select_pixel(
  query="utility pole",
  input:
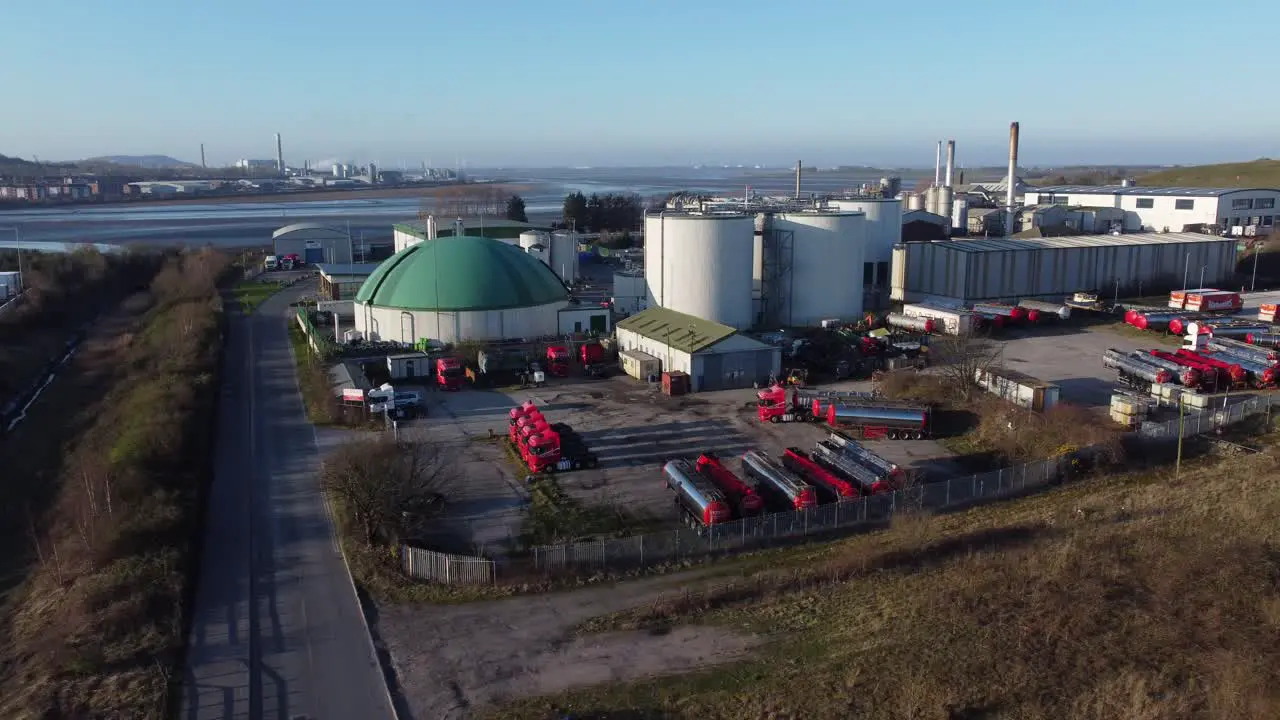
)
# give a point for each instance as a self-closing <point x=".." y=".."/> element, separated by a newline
<point x="1257" y="250"/>
<point x="1186" y="266"/>
<point x="1177" y="468"/>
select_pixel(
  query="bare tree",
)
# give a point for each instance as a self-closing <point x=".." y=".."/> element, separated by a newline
<point x="961" y="357"/>
<point x="390" y="490"/>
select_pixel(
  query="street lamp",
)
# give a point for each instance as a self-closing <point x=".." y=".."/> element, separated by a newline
<point x="1257" y="250"/>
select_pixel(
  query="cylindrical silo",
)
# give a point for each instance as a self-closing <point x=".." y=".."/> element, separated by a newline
<point x="944" y="202"/>
<point x="700" y="264"/>
<point x="884" y="225"/>
<point x="757" y="256"/>
<point x="537" y="244"/>
<point x="564" y="255"/>
<point x="827" y="253"/>
<point x="960" y="214"/>
<point x="915" y="201"/>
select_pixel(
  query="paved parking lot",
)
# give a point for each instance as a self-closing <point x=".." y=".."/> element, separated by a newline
<point x="634" y="429"/>
<point x="1071" y="358"/>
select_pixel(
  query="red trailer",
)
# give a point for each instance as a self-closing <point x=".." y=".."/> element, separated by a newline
<point x="1235" y="374"/>
<point x="591" y="353"/>
<point x="799" y="462"/>
<point x="742" y="496"/>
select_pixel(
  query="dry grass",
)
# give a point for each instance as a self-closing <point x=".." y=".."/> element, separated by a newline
<point x="1131" y="596"/>
<point x="97" y="628"/>
<point x="1259" y="173"/>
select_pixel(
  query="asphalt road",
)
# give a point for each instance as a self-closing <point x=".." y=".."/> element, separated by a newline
<point x="278" y="630"/>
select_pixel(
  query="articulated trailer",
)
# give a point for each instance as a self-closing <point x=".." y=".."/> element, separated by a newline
<point x="742" y="496"/>
<point x="1184" y="373"/>
<point x="781" y="484"/>
<point x="700" y="502"/>
<point x="835" y="487"/>
<point x="1135" y="372"/>
<point x="860" y="454"/>
<point x="876" y="419"/>
<point x="834" y="459"/>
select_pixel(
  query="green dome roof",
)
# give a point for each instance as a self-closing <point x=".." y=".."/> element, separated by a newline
<point x="462" y="273"/>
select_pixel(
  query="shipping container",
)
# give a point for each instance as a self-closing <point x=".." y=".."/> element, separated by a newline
<point x="1012" y="268"/>
<point x="1178" y="298"/>
<point x="952" y="321"/>
<point x="675" y="383"/>
<point x="1267" y="313"/>
<point x="1018" y="388"/>
<point x="639" y="365"/>
<point x="1211" y="301"/>
<point x="408" y="365"/>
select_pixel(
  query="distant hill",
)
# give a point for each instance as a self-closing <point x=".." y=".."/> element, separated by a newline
<point x="1259" y="173"/>
<point x="149" y="162"/>
<point x="20" y="168"/>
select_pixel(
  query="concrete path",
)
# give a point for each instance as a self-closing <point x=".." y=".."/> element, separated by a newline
<point x="278" y="629"/>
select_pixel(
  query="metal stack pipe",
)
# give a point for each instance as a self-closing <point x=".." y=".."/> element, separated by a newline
<point x="1224" y="329"/>
<point x="918" y="324"/>
<point x="1135" y="367"/>
<point x="1013" y="173"/>
<point x="951" y="163"/>
<point x="1262" y="374"/>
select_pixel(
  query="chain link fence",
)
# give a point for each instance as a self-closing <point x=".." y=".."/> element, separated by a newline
<point x="692" y="543"/>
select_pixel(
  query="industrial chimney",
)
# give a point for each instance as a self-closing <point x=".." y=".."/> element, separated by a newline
<point x="937" y="166"/>
<point x="951" y="162"/>
<point x="202" y="156"/>
<point x="1010" y="198"/>
<point x="797" y="195"/>
<point x="279" y="155"/>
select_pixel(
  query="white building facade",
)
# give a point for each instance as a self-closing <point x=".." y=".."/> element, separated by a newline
<point x="1240" y="211"/>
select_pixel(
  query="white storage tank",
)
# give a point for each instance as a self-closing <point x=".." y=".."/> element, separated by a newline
<point x="629" y="294"/>
<point x="564" y="255"/>
<point x="884" y="224"/>
<point x="700" y="264"/>
<point x="827" y="253"/>
<point x="915" y="201"/>
<point x="537" y="244"/>
<point x="960" y="215"/>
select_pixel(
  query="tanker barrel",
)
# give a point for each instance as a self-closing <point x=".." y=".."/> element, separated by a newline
<point x="872" y="414"/>
<point x="695" y="494"/>
<point x="918" y="324"/>
<point x="1062" y="312"/>
<point x="1248" y="364"/>
<point x="1264" y="339"/>
<point x="1137" y="368"/>
<point x="858" y="453"/>
<point x="1187" y="376"/>
<point x="853" y="470"/>
<point x="1268" y="354"/>
<point x="1010" y="311"/>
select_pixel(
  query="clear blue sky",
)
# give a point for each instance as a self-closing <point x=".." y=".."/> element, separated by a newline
<point x="614" y="82"/>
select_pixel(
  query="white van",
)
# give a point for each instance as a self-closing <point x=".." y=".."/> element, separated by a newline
<point x="271" y="263"/>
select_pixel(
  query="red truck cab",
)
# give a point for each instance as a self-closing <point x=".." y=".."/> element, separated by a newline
<point x="773" y="406"/>
<point x="591" y="353"/>
<point x="558" y="360"/>
<point x="449" y="373"/>
<point x="290" y="262"/>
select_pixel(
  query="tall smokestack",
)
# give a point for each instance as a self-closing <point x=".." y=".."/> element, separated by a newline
<point x="951" y="161"/>
<point x="202" y="156"/>
<point x="797" y="195"/>
<point x="279" y="155"/>
<point x="937" y="166"/>
<point x="1013" y="174"/>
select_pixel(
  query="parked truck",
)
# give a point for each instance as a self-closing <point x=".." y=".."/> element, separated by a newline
<point x="574" y="453"/>
<point x="700" y="502"/>
<point x="449" y="373"/>
<point x="499" y="367"/>
<point x="558" y="360"/>
<point x="869" y="480"/>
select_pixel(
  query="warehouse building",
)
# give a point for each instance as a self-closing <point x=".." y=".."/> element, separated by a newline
<point x="714" y="355"/>
<point x="469" y="288"/>
<point x="313" y="243"/>
<point x="1009" y="269"/>
<point x="1174" y="209"/>
<point x="343" y="281"/>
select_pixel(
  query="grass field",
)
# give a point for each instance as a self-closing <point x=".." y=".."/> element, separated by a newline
<point x="249" y="294"/>
<point x="1259" y="173"/>
<point x="1130" y="596"/>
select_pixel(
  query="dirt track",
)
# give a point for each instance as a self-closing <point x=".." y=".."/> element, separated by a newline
<point x="450" y="660"/>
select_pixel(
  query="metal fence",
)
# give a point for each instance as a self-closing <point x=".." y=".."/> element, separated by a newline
<point x="446" y="568"/>
<point x="690" y="543"/>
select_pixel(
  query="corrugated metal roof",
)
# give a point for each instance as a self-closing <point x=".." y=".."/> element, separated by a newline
<point x="1143" y="191"/>
<point x="1071" y="241"/>
<point x="336" y="232"/>
<point x="682" y="332"/>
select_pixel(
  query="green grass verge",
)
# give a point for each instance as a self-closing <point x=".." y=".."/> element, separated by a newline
<point x="1059" y="605"/>
<point x="249" y="294"/>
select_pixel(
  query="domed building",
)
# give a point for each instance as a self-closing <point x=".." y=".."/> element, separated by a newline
<point x="468" y="288"/>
